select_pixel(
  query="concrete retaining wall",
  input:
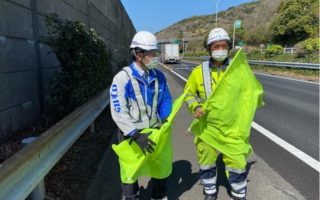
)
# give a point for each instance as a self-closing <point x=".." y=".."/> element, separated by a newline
<point x="26" y="65"/>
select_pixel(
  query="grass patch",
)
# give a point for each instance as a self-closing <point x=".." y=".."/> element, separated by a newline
<point x="301" y="74"/>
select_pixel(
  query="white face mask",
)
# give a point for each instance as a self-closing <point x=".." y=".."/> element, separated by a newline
<point x="153" y="63"/>
<point x="219" y="55"/>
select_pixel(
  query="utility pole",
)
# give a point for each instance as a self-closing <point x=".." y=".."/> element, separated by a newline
<point x="233" y="35"/>
<point x="255" y="20"/>
<point x="182" y="44"/>
<point x="217" y="12"/>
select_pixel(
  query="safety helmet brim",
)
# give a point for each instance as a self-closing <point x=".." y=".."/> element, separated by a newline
<point x="145" y="41"/>
<point x="217" y="34"/>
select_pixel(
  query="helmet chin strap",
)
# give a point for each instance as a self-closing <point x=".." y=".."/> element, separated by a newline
<point x="143" y="66"/>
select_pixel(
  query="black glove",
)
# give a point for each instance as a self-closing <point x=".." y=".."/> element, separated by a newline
<point x="143" y="142"/>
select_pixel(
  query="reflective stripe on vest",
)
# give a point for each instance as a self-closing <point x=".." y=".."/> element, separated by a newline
<point x="147" y="115"/>
<point x="206" y="74"/>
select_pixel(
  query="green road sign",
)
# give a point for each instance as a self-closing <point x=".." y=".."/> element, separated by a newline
<point x="241" y="43"/>
<point x="237" y="23"/>
<point x="175" y="41"/>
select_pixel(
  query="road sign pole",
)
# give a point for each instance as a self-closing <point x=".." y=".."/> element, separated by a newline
<point x="233" y="35"/>
<point x="217" y="13"/>
<point x="182" y="45"/>
<point x="236" y="24"/>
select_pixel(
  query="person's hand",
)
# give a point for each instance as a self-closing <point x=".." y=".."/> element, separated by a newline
<point x="143" y="142"/>
<point x="198" y="112"/>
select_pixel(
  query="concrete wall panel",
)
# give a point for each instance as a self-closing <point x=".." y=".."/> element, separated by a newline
<point x="23" y="3"/>
<point x="16" y="55"/>
<point x="15" y="21"/>
<point x="17" y="88"/>
<point x="102" y="6"/>
<point x="48" y="75"/>
<point x="20" y="116"/>
<point x="61" y="8"/>
<point x="80" y="5"/>
<point x="48" y="58"/>
<point x="21" y="56"/>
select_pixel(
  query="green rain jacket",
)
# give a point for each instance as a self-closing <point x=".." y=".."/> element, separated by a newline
<point x="230" y="109"/>
<point x="133" y="163"/>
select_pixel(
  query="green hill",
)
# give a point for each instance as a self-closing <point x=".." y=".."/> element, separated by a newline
<point x="261" y="21"/>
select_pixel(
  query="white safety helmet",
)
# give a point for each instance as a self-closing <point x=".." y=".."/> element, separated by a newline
<point x="145" y="40"/>
<point x="217" y="34"/>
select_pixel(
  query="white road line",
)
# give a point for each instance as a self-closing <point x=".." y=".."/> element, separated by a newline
<point x="174" y="72"/>
<point x="291" y="149"/>
<point x="285" y="145"/>
<point x="192" y="62"/>
<point x="292" y="79"/>
<point x="183" y="68"/>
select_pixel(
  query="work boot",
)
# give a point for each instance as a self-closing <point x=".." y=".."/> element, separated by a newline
<point x="238" y="198"/>
<point x="136" y="197"/>
<point x="131" y="198"/>
<point x="210" y="197"/>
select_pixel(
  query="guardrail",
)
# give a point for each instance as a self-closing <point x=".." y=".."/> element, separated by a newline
<point x="271" y="63"/>
<point x="22" y="172"/>
<point x="286" y="64"/>
<point x="290" y="50"/>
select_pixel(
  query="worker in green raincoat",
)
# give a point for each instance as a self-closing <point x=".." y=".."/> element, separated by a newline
<point x="223" y="97"/>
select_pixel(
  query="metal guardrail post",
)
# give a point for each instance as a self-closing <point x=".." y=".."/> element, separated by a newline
<point x="39" y="192"/>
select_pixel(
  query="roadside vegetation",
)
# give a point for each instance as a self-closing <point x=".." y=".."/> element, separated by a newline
<point x="85" y="68"/>
<point x="265" y="32"/>
<point x="294" y="24"/>
<point x="84" y="72"/>
<point x="306" y="51"/>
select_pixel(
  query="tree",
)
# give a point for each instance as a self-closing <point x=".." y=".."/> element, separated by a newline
<point x="297" y="20"/>
<point x="85" y="64"/>
<point x="257" y="36"/>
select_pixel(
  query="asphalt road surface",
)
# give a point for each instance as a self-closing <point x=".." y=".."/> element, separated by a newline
<point x="277" y="169"/>
<point x="292" y="114"/>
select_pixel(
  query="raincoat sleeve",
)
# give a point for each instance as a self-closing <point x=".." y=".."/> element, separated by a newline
<point x="192" y="99"/>
<point x="165" y="99"/>
<point x="119" y="110"/>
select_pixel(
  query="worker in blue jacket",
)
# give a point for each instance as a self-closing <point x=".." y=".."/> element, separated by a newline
<point x="140" y="99"/>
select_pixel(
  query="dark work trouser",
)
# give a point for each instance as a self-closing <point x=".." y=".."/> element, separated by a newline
<point x="159" y="189"/>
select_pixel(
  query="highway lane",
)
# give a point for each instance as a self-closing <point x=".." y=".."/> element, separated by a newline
<point x="292" y="113"/>
<point x="274" y="173"/>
